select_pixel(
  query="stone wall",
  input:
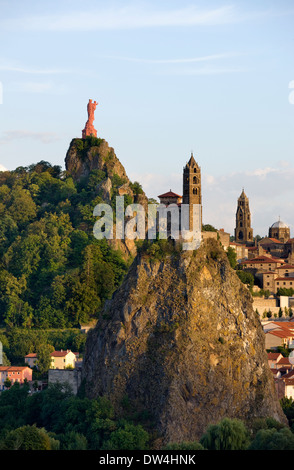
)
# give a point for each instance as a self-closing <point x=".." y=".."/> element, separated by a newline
<point x="72" y="377"/>
<point x="264" y="303"/>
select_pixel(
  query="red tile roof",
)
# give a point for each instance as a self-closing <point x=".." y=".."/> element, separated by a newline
<point x="169" y="194"/>
<point x="261" y="259"/>
<point x="289" y="374"/>
<point x="59" y="353"/>
<point x="62" y="353"/>
<point x="286" y="266"/>
<point x="288" y="381"/>
<point x="272" y="356"/>
<point x="283" y="324"/>
<point x="284" y="360"/>
<point x="283" y="333"/>
<point x="275" y="240"/>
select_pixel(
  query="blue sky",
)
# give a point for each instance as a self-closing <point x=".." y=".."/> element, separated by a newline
<point x="170" y="77"/>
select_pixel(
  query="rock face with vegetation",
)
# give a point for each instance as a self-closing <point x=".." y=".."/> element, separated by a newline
<point x="93" y="156"/>
<point x="54" y="272"/>
<point x="180" y="341"/>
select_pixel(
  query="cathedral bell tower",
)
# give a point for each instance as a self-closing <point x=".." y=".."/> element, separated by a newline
<point x="243" y="230"/>
<point x="192" y="188"/>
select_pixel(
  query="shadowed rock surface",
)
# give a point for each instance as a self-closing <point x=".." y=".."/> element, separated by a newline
<point x="181" y="340"/>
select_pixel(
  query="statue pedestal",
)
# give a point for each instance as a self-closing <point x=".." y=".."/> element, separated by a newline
<point x="89" y="130"/>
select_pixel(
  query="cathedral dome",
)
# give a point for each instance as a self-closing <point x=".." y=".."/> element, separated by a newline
<point x="279" y="224"/>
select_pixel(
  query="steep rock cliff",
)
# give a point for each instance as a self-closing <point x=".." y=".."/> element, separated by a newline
<point x="87" y="155"/>
<point x="181" y="340"/>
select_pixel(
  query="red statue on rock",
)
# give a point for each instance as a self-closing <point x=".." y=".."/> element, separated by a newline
<point x="89" y="127"/>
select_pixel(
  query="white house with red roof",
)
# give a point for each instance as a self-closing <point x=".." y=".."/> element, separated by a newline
<point x="59" y="359"/>
<point x="279" y="336"/>
<point x="63" y="359"/>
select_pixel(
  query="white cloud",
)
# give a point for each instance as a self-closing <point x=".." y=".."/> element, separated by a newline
<point x="30" y="70"/>
<point x="175" y="61"/>
<point x="44" y="137"/>
<point x="127" y="17"/>
<point x="2" y="168"/>
<point x="208" y="69"/>
<point x="34" y="87"/>
<point x="132" y="16"/>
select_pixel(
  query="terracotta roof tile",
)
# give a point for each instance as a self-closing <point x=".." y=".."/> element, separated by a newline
<point x="272" y="356"/>
<point x="169" y="194"/>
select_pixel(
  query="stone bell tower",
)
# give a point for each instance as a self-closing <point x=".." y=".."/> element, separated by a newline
<point x="192" y="188"/>
<point x="243" y="230"/>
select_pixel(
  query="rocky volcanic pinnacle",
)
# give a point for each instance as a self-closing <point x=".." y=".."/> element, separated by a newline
<point x="84" y="156"/>
<point x="181" y="340"/>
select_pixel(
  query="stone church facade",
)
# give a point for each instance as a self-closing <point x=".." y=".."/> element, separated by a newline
<point x="243" y="230"/>
<point x="192" y="197"/>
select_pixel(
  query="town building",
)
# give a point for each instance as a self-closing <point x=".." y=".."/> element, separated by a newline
<point x="14" y="374"/>
<point x="279" y="334"/>
<point x="192" y="188"/>
<point x="31" y="360"/>
<point x="63" y="359"/>
<point x="192" y="198"/>
<point x="243" y="230"/>
<point x="279" y="231"/>
<point x="59" y="359"/>
<point x="170" y="198"/>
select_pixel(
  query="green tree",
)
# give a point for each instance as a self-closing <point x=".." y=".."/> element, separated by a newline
<point x="27" y="438"/>
<point x="246" y="277"/>
<point x="208" y="228"/>
<point x="184" y="446"/>
<point x="232" y="256"/>
<point x="7" y="383"/>
<point x="273" y="439"/>
<point x="73" y="441"/>
<point x="44" y="357"/>
<point x="127" y="437"/>
<point x="228" y="434"/>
